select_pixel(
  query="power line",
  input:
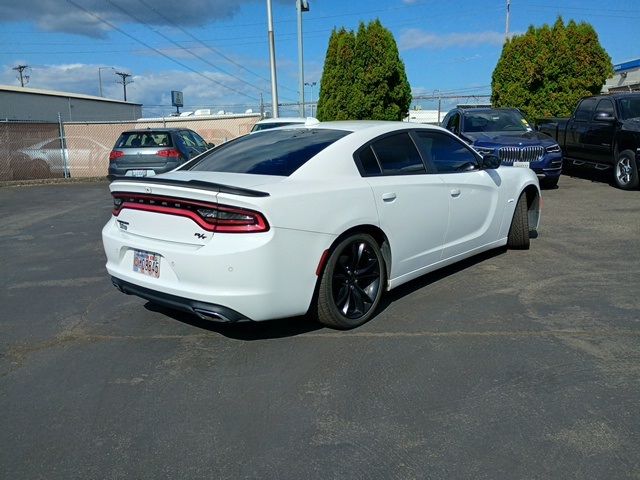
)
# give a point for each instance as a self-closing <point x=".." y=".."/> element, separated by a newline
<point x="181" y="47"/>
<point x="24" y="79"/>
<point x="159" y="52"/>
<point x="124" y="82"/>
<point x="199" y="41"/>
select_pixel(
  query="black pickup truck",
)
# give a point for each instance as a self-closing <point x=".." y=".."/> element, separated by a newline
<point x="602" y="133"/>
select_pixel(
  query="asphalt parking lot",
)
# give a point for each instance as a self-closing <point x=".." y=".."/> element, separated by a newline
<point x="516" y="364"/>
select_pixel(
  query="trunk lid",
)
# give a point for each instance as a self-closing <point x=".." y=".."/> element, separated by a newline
<point x="166" y="207"/>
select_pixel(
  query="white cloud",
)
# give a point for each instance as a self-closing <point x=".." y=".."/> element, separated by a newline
<point x="61" y="16"/>
<point x="416" y="38"/>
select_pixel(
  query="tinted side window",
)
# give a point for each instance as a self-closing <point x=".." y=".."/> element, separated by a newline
<point x="454" y="123"/>
<point x="368" y="165"/>
<point x="398" y="155"/>
<point x="605" y="105"/>
<point x="585" y="109"/>
<point x="272" y="152"/>
<point x="446" y="153"/>
<point x="197" y="138"/>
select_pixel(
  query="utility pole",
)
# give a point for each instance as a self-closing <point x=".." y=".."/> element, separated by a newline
<point x="24" y="79"/>
<point x="124" y="82"/>
<point x="506" y="31"/>
<point x="272" y="61"/>
<point x="261" y="107"/>
<point x="301" y="6"/>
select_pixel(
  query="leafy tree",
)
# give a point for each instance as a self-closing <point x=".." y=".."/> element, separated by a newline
<point x="545" y="71"/>
<point x="363" y="76"/>
<point x="337" y="77"/>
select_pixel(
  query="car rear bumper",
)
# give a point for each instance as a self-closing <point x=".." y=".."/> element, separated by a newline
<point x="119" y="171"/>
<point x="258" y="276"/>
<point x="206" y="311"/>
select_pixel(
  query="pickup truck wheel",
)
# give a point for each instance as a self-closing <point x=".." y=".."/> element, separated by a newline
<point x="519" y="232"/>
<point x="626" y="170"/>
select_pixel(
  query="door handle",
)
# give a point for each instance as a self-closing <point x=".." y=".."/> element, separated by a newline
<point x="455" y="192"/>
<point x="388" y="197"/>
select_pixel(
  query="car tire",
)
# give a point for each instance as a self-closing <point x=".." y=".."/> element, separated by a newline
<point x="549" y="183"/>
<point x="352" y="283"/>
<point x="625" y="170"/>
<point x="518" y="238"/>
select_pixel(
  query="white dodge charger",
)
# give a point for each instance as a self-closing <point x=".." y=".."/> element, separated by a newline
<point x="320" y="218"/>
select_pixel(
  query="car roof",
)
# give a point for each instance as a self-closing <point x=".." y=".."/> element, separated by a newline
<point x="486" y="109"/>
<point x="163" y="129"/>
<point x="267" y="121"/>
<point x="381" y="126"/>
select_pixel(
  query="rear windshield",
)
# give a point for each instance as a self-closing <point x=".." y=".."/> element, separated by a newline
<point x="272" y="152"/>
<point x="266" y="126"/>
<point x="144" y="139"/>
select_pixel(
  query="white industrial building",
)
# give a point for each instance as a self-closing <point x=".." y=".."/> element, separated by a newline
<point x="626" y="77"/>
<point x="424" y="116"/>
<point x="33" y="104"/>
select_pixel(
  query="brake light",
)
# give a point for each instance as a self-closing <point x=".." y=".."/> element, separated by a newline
<point x="233" y="220"/>
<point x="115" y="154"/>
<point x="209" y="216"/>
<point x="169" y="152"/>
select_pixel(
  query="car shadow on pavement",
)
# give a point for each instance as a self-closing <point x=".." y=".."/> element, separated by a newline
<point x="292" y="326"/>
<point x="595" y="176"/>
<point x="286" y="327"/>
<point x="424" y="281"/>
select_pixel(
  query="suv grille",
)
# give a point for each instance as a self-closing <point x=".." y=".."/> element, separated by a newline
<point x="521" y="154"/>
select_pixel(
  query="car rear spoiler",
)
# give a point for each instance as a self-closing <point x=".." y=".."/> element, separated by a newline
<point x="199" y="184"/>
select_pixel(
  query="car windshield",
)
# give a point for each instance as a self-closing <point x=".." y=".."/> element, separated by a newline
<point x="273" y="152"/>
<point x="629" y="107"/>
<point x="144" y="139"/>
<point x="266" y="126"/>
<point x="494" y="121"/>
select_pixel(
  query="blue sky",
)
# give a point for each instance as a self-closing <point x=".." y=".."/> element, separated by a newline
<point x="204" y="46"/>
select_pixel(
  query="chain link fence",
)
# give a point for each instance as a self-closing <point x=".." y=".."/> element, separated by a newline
<point x="30" y="150"/>
<point x="40" y="150"/>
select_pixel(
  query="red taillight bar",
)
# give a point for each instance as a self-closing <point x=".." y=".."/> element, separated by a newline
<point x="252" y="222"/>
<point x="169" y="152"/>
<point x="115" y="154"/>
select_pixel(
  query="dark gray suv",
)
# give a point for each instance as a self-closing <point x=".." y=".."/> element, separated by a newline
<point x="142" y="153"/>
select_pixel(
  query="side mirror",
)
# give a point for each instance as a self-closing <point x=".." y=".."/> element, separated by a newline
<point x="211" y="145"/>
<point x="490" y="162"/>
<point x="603" y="117"/>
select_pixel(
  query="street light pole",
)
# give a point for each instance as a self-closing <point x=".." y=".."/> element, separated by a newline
<point x="100" y="77"/>
<point x="272" y="61"/>
<point x="311" y="85"/>
<point x="439" y="102"/>
<point x="301" y="6"/>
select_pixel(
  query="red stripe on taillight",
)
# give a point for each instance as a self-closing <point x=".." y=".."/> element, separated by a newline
<point x="115" y="154"/>
<point x="169" y="152"/>
<point x="209" y="216"/>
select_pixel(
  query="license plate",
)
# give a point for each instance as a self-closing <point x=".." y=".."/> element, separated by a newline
<point x="146" y="263"/>
<point x="521" y="164"/>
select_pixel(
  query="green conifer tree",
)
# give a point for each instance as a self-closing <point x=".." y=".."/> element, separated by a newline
<point x="545" y="71"/>
<point x="363" y="76"/>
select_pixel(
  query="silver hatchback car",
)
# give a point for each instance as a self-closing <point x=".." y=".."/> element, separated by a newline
<point x="143" y="153"/>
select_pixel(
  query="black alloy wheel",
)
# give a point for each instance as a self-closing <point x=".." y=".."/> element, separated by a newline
<point x="352" y="283"/>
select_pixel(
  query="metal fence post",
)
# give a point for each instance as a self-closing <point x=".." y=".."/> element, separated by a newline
<point x="63" y="147"/>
